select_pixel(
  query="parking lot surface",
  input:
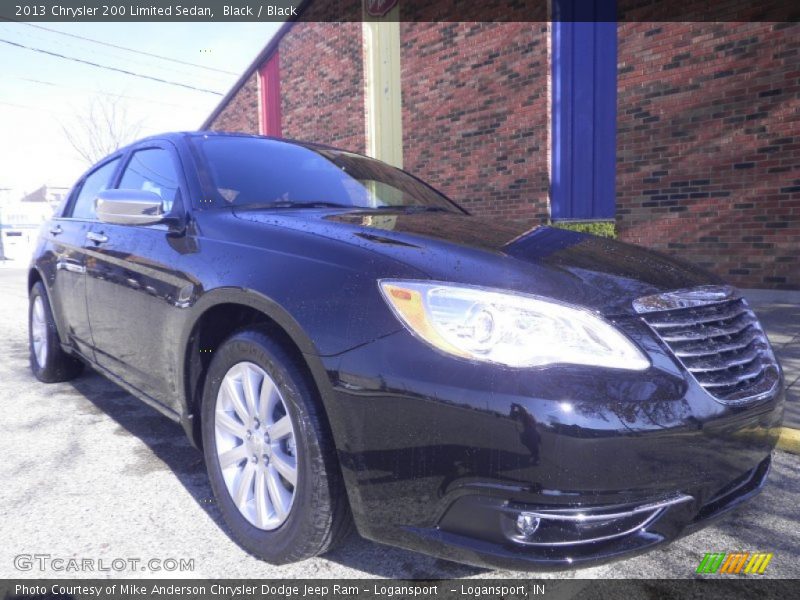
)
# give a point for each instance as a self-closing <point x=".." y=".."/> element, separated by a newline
<point x="88" y="471"/>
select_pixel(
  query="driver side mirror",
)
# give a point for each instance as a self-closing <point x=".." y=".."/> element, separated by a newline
<point x="129" y="207"/>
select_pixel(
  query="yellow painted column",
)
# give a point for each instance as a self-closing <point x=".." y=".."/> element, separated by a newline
<point x="384" y="119"/>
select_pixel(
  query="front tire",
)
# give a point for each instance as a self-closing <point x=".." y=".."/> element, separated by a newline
<point x="49" y="362"/>
<point x="270" y="459"/>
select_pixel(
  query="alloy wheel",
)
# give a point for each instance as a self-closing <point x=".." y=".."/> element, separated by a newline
<point x="256" y="446"/>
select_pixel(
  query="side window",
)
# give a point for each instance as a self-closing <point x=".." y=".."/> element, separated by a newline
<point x="152" y="170"/>
<point x="96" y="182"/>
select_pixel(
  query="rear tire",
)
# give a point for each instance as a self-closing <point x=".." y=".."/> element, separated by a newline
<point x="49" y="362"/>
<point x="251" y="441"/>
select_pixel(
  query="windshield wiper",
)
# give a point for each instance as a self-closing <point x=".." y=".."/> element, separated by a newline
<point x="290" y="204"/>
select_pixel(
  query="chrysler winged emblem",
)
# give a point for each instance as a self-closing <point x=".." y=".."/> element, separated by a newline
<point x="699" y="296"/>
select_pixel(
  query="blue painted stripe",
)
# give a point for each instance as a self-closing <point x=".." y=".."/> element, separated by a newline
<point x="584" y="97"/>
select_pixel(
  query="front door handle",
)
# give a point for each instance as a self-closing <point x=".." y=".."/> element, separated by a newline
<point x="97" y="238"/>
<point x="56" y="230"/>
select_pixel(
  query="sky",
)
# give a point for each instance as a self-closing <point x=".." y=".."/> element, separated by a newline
<point x="34" y="150"/>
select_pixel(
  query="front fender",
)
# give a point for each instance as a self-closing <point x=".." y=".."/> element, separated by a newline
<point x="274" y="312"/>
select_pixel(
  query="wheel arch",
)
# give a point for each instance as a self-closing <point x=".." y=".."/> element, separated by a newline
<point x="36" y="275"/>
<point x="218" y="314"/>
<point x="33" y="276"/>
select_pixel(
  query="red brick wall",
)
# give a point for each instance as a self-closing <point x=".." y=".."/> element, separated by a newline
<point x="322" y="84"/>
<point x="321" y="81"/>
<point x="708" y="128"/>
<point x="475" y="120"/>
<point x="708" y="146"/>
<point x="241" y="113"/>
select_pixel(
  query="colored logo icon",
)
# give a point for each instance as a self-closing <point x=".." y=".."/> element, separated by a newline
<point x="738" y="563"/>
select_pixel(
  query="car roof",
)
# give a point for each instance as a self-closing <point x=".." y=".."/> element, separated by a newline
<point x="175" y="136"/>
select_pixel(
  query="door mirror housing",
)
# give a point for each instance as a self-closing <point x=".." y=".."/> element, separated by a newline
<point x="129" y="207"/>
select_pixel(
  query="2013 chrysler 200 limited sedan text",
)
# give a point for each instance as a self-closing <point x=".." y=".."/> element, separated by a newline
<point x="347" y="345"/>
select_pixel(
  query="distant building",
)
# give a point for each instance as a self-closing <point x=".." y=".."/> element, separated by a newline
<point x="21" y="218"/>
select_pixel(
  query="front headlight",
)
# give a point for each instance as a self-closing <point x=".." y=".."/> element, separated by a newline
<point x="508" y="328"/>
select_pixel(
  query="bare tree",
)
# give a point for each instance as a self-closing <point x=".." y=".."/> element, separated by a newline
<point x="101" y="128"/>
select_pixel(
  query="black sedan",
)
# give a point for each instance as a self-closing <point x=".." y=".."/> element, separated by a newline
<point x="348" y="346"/>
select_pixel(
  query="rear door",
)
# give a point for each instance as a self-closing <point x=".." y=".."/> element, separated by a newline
<point x="67" y="237"/>
<point x="136" y="291"/>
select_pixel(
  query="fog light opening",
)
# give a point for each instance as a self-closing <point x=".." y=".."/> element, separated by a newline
<point x="527" y="524"/>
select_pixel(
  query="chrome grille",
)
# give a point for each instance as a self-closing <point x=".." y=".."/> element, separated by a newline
<point x="721" y="343"/>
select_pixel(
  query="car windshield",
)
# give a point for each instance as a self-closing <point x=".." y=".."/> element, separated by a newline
<point x="263" y="173"/>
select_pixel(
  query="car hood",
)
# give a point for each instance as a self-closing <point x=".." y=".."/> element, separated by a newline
<point x="573" y="267"/>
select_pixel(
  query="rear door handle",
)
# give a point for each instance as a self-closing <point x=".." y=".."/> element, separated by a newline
<point x="97" y="238"/>
<point x="56" y="230"/>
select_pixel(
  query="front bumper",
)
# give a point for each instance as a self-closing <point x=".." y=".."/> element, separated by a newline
<point x="441" y="455"/>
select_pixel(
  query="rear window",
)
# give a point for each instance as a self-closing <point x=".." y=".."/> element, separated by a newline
<point x="257" y="171"/>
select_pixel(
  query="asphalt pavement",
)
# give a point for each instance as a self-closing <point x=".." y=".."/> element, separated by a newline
<point x="89" y="472"/>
